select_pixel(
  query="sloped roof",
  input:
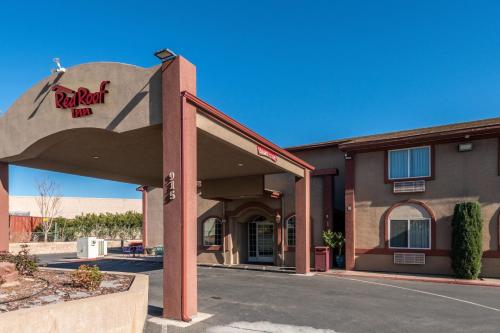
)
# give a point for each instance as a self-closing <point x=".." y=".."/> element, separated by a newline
<point x="476" y="128"/>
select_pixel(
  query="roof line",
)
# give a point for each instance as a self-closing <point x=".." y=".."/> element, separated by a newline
<point x="235" y="125"/>
<point x="440" y="132"/>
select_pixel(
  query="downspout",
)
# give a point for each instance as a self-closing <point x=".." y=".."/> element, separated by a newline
<point x="224" y="226"/>
<point x="283" y="230"/>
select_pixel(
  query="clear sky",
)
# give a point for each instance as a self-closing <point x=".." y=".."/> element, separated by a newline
<point x="294" y="71"/>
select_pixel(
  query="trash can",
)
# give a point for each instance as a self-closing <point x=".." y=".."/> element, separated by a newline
<point x="322" y="258"/>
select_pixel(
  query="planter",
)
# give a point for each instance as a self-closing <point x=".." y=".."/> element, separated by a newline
<point x="340" y="261"/>
<point x="322" y="258"/>
<point x="118" y="312"/>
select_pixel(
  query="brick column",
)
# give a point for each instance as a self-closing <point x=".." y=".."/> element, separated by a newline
<point x="350" y="221"/>
<point x="303" y="224"/>
<point x="179" y="191"/>
<point x="4" y="207"/>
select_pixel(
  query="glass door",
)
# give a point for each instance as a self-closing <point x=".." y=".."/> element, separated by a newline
<point x="261" y="241"/>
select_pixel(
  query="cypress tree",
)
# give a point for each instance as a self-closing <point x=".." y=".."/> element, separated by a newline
<point x="467" y="240"/>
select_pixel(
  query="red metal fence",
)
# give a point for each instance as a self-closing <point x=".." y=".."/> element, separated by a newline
<point x="21" y="227"/>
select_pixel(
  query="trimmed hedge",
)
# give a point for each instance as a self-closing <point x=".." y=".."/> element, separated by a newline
<point x="108" y="226"/>
<point x="467" y="240"/>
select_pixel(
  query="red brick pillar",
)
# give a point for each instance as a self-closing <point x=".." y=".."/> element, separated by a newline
<point x="4" y="207"/>
<point x="350" y="220"/>
<point x="303" y="224"/>
<point x="179" y="191"/>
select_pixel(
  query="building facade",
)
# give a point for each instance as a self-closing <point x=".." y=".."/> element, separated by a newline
<point x="392" y="195"/>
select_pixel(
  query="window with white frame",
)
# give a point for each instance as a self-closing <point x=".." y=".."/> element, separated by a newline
<point x="212" y="231"/>
<point x="410" y="234"/>
<point x="290" y="231"/>
<point x="409" y="163"/>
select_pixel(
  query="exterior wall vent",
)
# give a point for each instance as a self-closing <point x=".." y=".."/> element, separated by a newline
<point x="409" y="258"/>
<point x="409" y="186"/>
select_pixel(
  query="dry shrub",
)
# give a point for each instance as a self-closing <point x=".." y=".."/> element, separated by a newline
<point x="88" y="277"/>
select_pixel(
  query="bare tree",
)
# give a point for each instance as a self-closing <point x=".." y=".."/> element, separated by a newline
<point x="49" y="203"/>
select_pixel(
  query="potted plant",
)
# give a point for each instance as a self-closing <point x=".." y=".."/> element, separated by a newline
<point x="335" y="240"/>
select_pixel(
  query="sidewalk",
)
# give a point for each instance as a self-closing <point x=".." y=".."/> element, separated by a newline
<point x="485" y="282"/>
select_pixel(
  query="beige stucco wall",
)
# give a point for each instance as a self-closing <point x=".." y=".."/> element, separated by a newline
<point x="133" y="101"/>
<point x="155" y="217"/>
<point x="112" y="313"/>
<point x="459" y="177"/>
<point x="73" y="206"/>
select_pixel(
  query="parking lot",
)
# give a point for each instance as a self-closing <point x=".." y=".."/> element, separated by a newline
<point x="241" y="300"/>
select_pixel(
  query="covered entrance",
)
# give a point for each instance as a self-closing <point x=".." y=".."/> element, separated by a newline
<point x="146" y="126"/>
<point x="261" y="240"/>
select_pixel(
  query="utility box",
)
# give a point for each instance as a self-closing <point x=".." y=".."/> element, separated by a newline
<point x="322" y="258"/>
<point x="87" y="247"/>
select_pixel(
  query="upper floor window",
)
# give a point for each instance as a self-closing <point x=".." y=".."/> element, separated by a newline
<point x="212" y="231"/>
<point x="409" y="163"/>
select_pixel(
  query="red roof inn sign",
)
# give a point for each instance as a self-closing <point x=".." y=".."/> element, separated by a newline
<point x="66" y="98"/>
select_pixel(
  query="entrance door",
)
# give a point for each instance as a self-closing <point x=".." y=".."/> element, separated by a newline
<point x="261" y="240"/>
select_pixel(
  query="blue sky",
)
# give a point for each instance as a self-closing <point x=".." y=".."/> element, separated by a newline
<point x="295" y="71"/>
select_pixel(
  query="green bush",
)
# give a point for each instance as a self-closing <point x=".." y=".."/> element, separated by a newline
<point x="108" y="226"/>
<point x="467" y="240"/>
<point x="25" y="263"/>
<point x="88" y="277"/>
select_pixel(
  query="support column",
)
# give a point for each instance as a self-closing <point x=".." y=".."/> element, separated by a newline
<point x="179" y="191"/>
<point x="350" y="221"/>
<point x="145" y="217"/>
<point x="303" y="224"/>
<point x="4" y="207"/>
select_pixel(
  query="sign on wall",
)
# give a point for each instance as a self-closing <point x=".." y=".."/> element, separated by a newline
<point x="79" y="101"/>
<point x="267" y="153"/>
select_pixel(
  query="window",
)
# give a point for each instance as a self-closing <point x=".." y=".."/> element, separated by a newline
<point x="212" y="231"/>
<point x="410" y="163"/>
<point x="290" y="231"/>
<point x="410" y="234"/>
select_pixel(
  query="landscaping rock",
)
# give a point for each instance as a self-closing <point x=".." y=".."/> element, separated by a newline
<point x="8" y="273"/>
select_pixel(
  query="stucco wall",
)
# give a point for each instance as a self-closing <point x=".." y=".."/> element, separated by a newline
<point x="459" y="177"/>
<point x="155" y="217"/>
<point x="72" y="206"/>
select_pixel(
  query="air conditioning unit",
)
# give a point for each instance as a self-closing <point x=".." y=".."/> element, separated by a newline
<point x="91" y="248"/>
<point x="103" y="247"/>
<point x="409" y="258"/>
<point x="409" y="186"/>
<point x="87" y="248"/>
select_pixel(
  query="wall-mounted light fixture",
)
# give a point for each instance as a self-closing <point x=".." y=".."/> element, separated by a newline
<point x="277" y="218"/>
<point x="165" y="55"/>
<point x="463" y="147"/>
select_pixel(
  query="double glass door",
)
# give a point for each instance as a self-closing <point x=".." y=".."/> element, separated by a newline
<point x="261" y="241"/>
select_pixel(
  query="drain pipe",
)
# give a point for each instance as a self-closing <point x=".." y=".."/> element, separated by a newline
<point x="224" y="226"/>
<point x="283" y="230"/>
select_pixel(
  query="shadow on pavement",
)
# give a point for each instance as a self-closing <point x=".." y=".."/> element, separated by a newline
<point x="113" y="265"/>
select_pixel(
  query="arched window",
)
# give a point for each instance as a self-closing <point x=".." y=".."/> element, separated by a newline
<point x="212" y="231"/>
<point x="409" y="227"/>
<point x="290" y="231"/>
